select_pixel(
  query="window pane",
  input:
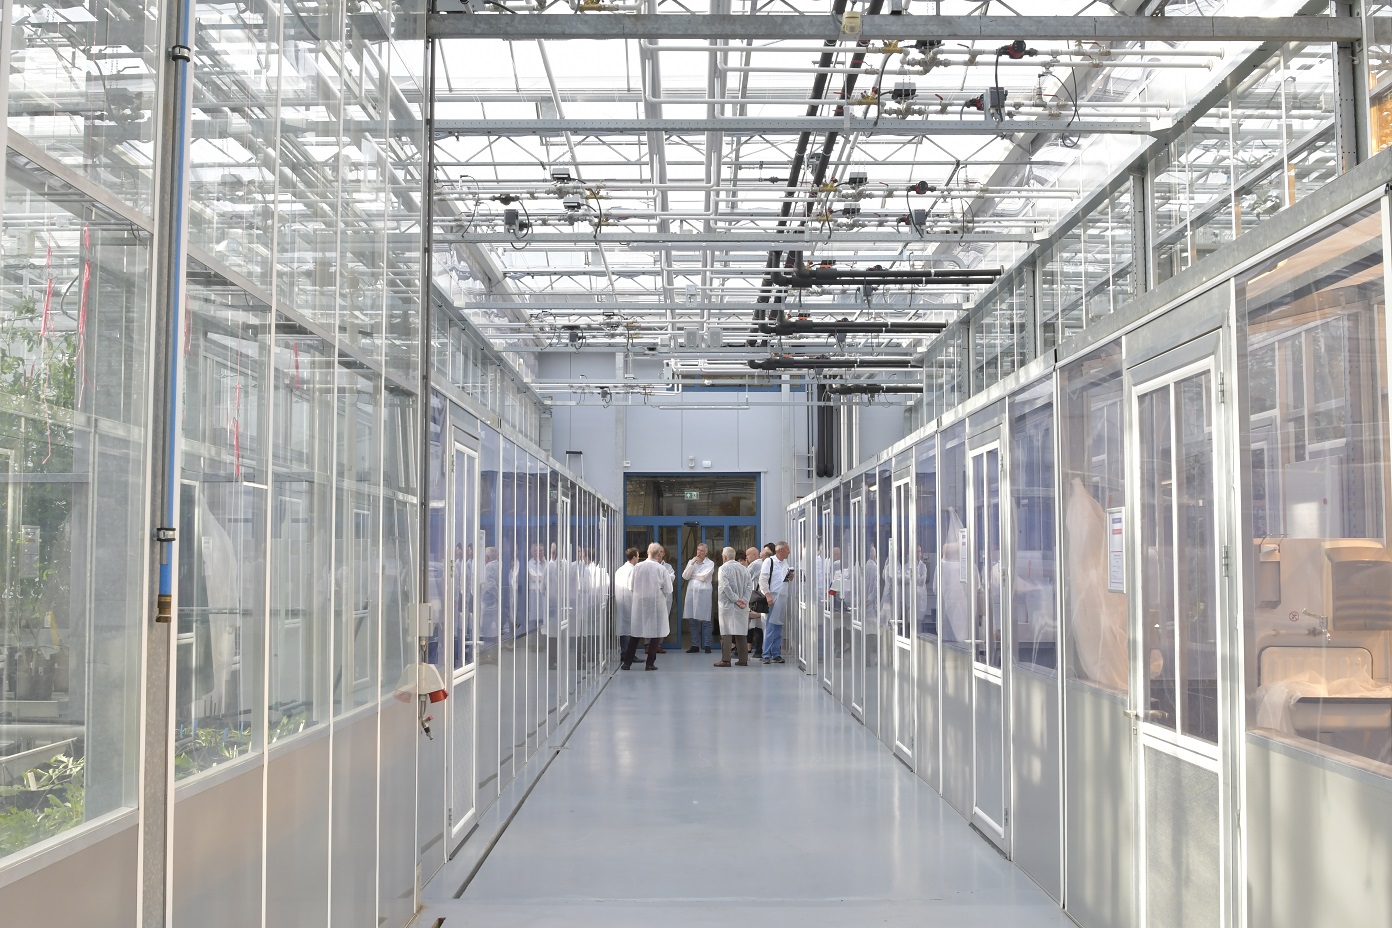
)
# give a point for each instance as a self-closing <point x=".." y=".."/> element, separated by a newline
<point x="1034" y="516"/>
<point x="1320" y="628"/>
<point x="1090" y="435"/>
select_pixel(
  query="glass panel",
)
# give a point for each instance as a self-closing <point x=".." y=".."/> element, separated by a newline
<point x="1157" y="554"/>
<point x="1033" y="611"/>
<point x="82" y="88"/>
<point x="465" y="534"/>
<point x="358" y="554"/>
<point x="953" y="581"/>
<point x="1090" y="433"/>
<point x="301" y="548"/>
<point x="1319" y="632"/>
<point x="222" y="541"/>
<point x="692" y="496"/>
<point x="926" y="504"/>
<point x="1196" y="590"/>
<point x="74" y="385"/>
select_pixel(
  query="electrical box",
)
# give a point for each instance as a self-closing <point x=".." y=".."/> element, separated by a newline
<point x="903" y="91"/>
<point x="995" y="102"/>
<point x="560" y="175"/>
<point x="857" y="179"/>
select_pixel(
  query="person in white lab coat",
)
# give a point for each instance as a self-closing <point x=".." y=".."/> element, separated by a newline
<point x="652" y="598"/>
<point x="735" y="590"/>
<point x="623" y="597"/>
<point x="699" y="575"/>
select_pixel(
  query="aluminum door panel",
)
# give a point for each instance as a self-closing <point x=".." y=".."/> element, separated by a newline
<point x="927" y="759"/>
<point x="1099" y="817"/>
<point x="297" y="833"/>
<point x="396" y="871"/>
<point x="957" y="730"/>
<point x="1183" y="862"/>
<point x="353" y="888"/>
<point x="1317" y="831"/>
<point x="216" y="853"/>
<point x="885" y="659"/>
<point x="92" y="888"/>
<point x="1036" y="812"/>
<point x="989" y="774"/>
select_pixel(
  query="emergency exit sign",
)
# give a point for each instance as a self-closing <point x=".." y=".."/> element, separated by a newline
<point x="693" y="494"/>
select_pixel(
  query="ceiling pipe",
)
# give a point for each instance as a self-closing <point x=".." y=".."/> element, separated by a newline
<point x="845" y="326"/>
<point x="802" y="279"/>
<point x="870" y="389"/>
<point x="818" y="364"/>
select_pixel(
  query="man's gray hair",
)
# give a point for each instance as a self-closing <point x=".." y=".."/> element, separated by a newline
<point x="654" y="548"/>
<point x="728" y="553"/>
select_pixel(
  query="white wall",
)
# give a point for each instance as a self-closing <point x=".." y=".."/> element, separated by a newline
<point x="768" y="438"/>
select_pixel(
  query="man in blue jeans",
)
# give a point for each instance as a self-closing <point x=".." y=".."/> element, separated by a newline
<point x="775" y="578"/>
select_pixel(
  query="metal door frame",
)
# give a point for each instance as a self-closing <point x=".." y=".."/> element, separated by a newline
<point x="824" y="613"/>
<point x="979" y="446"/>
<point x="855" y="543"/>
<point x="1204" y="353"/>
<point x="805" y="590"/>
<point x="461" y="442"/>
<point x="905" y="613"/>
<point x="565" y="554"/>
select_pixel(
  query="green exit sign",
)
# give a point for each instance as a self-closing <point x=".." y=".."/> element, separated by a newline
<point x="693" y="494"/>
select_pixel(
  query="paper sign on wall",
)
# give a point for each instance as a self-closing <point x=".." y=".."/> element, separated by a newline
<point x="1116" y="548"/>
<point x="962" y="555"/>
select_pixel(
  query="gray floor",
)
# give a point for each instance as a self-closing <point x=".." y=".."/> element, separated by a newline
<point x="699" y="796"/>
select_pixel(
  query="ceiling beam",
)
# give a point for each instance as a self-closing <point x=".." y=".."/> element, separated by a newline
<point x="660" y="241"/>
<point x="761" y="125"/>
<point x="705" y="26"/>
<point x="629" y="306"/>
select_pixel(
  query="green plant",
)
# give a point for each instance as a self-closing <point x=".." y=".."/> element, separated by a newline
<point x="48" y="800"/>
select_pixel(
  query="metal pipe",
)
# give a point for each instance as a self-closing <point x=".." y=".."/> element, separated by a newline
<point x="831" y="364"/>
<point x="853" y="389"/>
<point x="846" y="326"/>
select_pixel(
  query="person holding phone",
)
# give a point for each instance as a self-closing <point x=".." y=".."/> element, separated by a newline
<point x="775" y="579"/>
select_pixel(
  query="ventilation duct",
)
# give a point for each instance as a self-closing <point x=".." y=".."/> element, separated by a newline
<point x="827" y="439"/>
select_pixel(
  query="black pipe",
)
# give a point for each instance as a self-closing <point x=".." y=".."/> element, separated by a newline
<point x="853" y="279"/>
<point x="816" y="364"/>
<point x="827" y="437"/>
<point x="808" y="327"/>
<point x="776" y="256"/>
<point x="819" y="84"/>
<point x="850" y="389"/>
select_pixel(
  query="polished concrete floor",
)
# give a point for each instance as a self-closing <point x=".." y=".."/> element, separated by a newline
<point x="697" y="796"/>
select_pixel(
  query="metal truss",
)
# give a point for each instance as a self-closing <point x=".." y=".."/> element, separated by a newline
<point x="710" y="26"/>
<point x="761" y="126"/>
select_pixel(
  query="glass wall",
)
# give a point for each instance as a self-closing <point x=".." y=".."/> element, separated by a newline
<point x="926" y="531"/>
<point x="1319" y="629"/>
<point x="74" y="383"/>
<point x="953" y="582"/>
<point x="1093" y="485"/>
<point x="1034" y="517"/>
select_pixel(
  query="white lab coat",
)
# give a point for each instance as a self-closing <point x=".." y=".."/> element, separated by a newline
<point x="735" y="585"/>
<point x="652" y="597"/>
<point x="623" y="599"/>
<point x="699" y="589"/>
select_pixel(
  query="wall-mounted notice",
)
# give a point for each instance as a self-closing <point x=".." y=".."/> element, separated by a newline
<point x="962" y="555"/>
<point x="1116" y="547"/>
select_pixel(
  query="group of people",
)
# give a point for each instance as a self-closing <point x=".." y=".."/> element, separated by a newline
<point x="643" y="591"/>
